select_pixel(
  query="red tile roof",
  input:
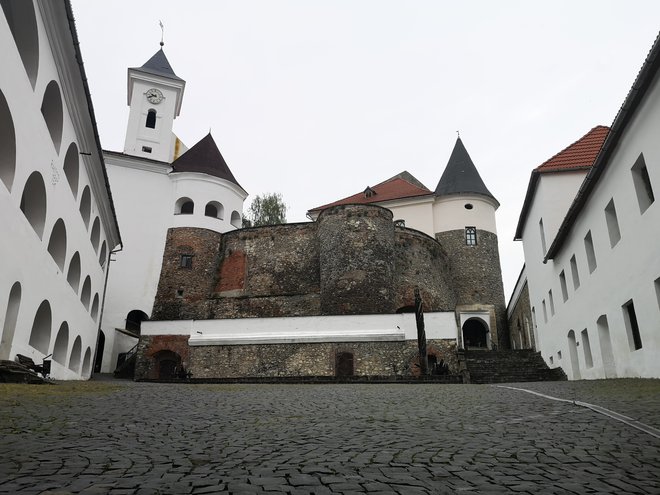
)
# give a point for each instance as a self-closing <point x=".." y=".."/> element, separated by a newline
<point x="396" y="187"/>
<point x="580" y="154"/>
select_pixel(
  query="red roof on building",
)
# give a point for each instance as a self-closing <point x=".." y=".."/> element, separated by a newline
<point x="400" y="186"/>
<point x="580" y="154"/>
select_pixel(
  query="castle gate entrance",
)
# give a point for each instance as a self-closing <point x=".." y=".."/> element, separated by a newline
<point x="475" y="333"/>
<point x="167" y="364"/>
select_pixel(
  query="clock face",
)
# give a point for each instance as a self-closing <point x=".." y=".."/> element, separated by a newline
<point x="154" y="96"/>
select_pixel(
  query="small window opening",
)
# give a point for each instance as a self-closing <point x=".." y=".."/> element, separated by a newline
<point x="368" y="192"/>
<point x="542" y="231"/>
<point x="545" y="312"/>
<point x="552" y="360"/>
<point x="657" y="290"/>
<point x="575" y="273"/>
<point x="186" y="260"/>
<point x="146" y="149"/>
<point x="632" y="328"/>
<point x="471" y="236"/>
<point x="399" y="223"/>
<point x="642" y="183"/>
<point x="558" y="354"/>
<point x="552" y="303"/>
<point x="562" y="283"/>
<point x="179" y="293"/>
<point x="151" y="119"/>
<point x="187" y="208"/>
<point x="468" y="206"/>
<point x="591" y="254"/>
<point x="612" y="223"/>
<point x="211" y="211"/>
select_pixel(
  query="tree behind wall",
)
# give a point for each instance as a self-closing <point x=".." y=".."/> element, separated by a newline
<point x="266" y="209"/>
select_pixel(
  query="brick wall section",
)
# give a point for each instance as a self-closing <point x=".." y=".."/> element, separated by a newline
<point x="314" y="359"/>
<point x="196" y="283"/>
<point x="356" y="260"/>
<point x="521" y="325"/>
<point x="421" y="262"/>
<point x="232" y="272"/>
<point x="477" y="276"/>
<point x="146" y="366"/>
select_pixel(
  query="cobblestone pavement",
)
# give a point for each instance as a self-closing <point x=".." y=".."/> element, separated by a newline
<point x="138" y="438"/>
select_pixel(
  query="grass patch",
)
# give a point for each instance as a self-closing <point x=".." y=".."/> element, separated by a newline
<point x="12" y="392"/>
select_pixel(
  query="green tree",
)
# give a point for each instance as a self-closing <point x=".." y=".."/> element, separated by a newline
<point x="265" y="209"/>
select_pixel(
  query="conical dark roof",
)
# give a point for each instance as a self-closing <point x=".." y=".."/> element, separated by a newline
<point x="159" y="65"/>
<point x="461" y="176"/>
<point x="204" y="158"/>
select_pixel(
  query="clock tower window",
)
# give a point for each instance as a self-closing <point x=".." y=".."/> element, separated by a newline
<point x="151" y="119"/>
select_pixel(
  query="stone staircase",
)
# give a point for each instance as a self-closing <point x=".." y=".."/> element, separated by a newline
<point x="509" y="367"/>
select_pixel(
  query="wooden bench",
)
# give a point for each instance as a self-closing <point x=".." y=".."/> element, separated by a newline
<point x="43" y="368"/>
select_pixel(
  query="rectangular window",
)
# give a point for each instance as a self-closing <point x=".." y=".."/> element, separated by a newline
<point x="552" y="360"/>
<point x="186" y="261"/>
<point x="612" y="223"/>
<point x="642" y="183"/>
<point x="552" y="303"/>
<point x="543" y="248"/>
<point x="545" y="312"/>
<point x="558" y="354"/>
<point x="146" y="149"/>
<point x="591" y="254"/>
<point x="564" y="289"/>
<point x="657" y="291"/>
<point x="471" y="236"/>
<point x="574" y="272"/>
<point x="632" y="328"/>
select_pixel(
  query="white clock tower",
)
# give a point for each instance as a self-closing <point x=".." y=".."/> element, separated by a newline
<point x="155" y="93"/>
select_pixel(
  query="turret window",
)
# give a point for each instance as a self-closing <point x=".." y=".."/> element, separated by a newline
<point x="471" y="236"/>
<point x="151" y="119"/>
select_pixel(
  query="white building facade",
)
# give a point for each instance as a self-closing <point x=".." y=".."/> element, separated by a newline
<point x="591" y="249"/>
<point x="56" y="211"/>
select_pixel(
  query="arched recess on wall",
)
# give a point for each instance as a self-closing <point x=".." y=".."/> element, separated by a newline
<point x="573" y="354"/>
<point x="236" y="219"/>
<point x="103" y="254"/>
<point x="7" y="144"/>
<point x="23" y="25"/>
<point x="72" y="168"/>
<point x="57" y="243"/>
<point x="61" y="344"/>
<point x="606" y="351"/>
<point x="73" y="275"/>
<point x="33" y="202"/>
<point x="76" y="351"/>
<point x="95" y="307"/>
<point x="41" y="328"/>
<point x="11" y="316"/>
<point x="475" y="333"/>
<point x="87" y="362"/>
<point x="134" y="320"/>
<point x="151" y="119"/>
<point x="96" y="234"/>
<point x="184" y="206"/>
<point x="214" y="209"/>
<point x="98" y="357"/>
<point x="51" y="109"/>
<point x="86" y="292"/>
<point x="85" y="205"/>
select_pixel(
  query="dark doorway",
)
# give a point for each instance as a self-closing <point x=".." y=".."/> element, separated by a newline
<point x="98" y="358"/>
<point x="344" y="364"/>
<point x="167" y="364"/>
<point x="134" y="320"/>
<point x="475" y="333"/>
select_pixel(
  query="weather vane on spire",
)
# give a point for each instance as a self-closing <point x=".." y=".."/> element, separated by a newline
<point x="162" y="33"/>
<point x="458" y="133"/>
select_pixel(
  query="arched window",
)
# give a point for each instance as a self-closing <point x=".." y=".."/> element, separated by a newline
<point x="51" y="109"/>
<point x="151" y="119"/>
<point x="86" y="292"/>
<point x="33" y="202"/>
<point x="72" y="167"/>
<point x="57" y="243"/>
<point x="23" y="25"/>
<point x="236" y="219"/>
<point x="87" y="362"/>
<point x="95" y="307"/>
<point x="214" y="209"/>
<point x="103" y="255"/>
<point x="96" y="234"/>
<point x="73" y="275"/>
<point x="184" y="206"/>
<point x="134" y="320"/>
<point x="61" y="344"/>
<point x="85" y="205"/>
<point x="76" y="350"/>
<point x="7" y="144"/>
<point x="11" y="315"/>
<point x="40" y="333"/>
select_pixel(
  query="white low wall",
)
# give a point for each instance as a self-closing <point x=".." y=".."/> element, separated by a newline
<point x="301" y="329"/>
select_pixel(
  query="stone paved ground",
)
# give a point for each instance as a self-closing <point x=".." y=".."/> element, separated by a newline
<point x="138" y="438"/>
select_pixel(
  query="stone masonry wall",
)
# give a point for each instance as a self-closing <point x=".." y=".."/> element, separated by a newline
<point x="477" y="276"/>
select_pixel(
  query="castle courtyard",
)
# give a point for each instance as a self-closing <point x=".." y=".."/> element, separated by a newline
<point x="119" y="437"/>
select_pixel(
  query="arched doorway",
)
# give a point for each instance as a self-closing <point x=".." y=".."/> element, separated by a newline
<point x="344" y="364"/>
<point x="98" y="358"/>
<point x="475" y="334"/>
<point x="134" y="320"/>
<point x="167" y="364"/>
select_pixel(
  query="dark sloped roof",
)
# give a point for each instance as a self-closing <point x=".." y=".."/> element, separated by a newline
<point x="577" y="156"/>
<point x="461" y="176"/>
<point x="204" y="158"/>
<point x="159" y="65"/>
<point x="402" y="185"/>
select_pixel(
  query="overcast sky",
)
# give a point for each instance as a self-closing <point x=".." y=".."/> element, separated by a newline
<point x="319" y="99"/>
